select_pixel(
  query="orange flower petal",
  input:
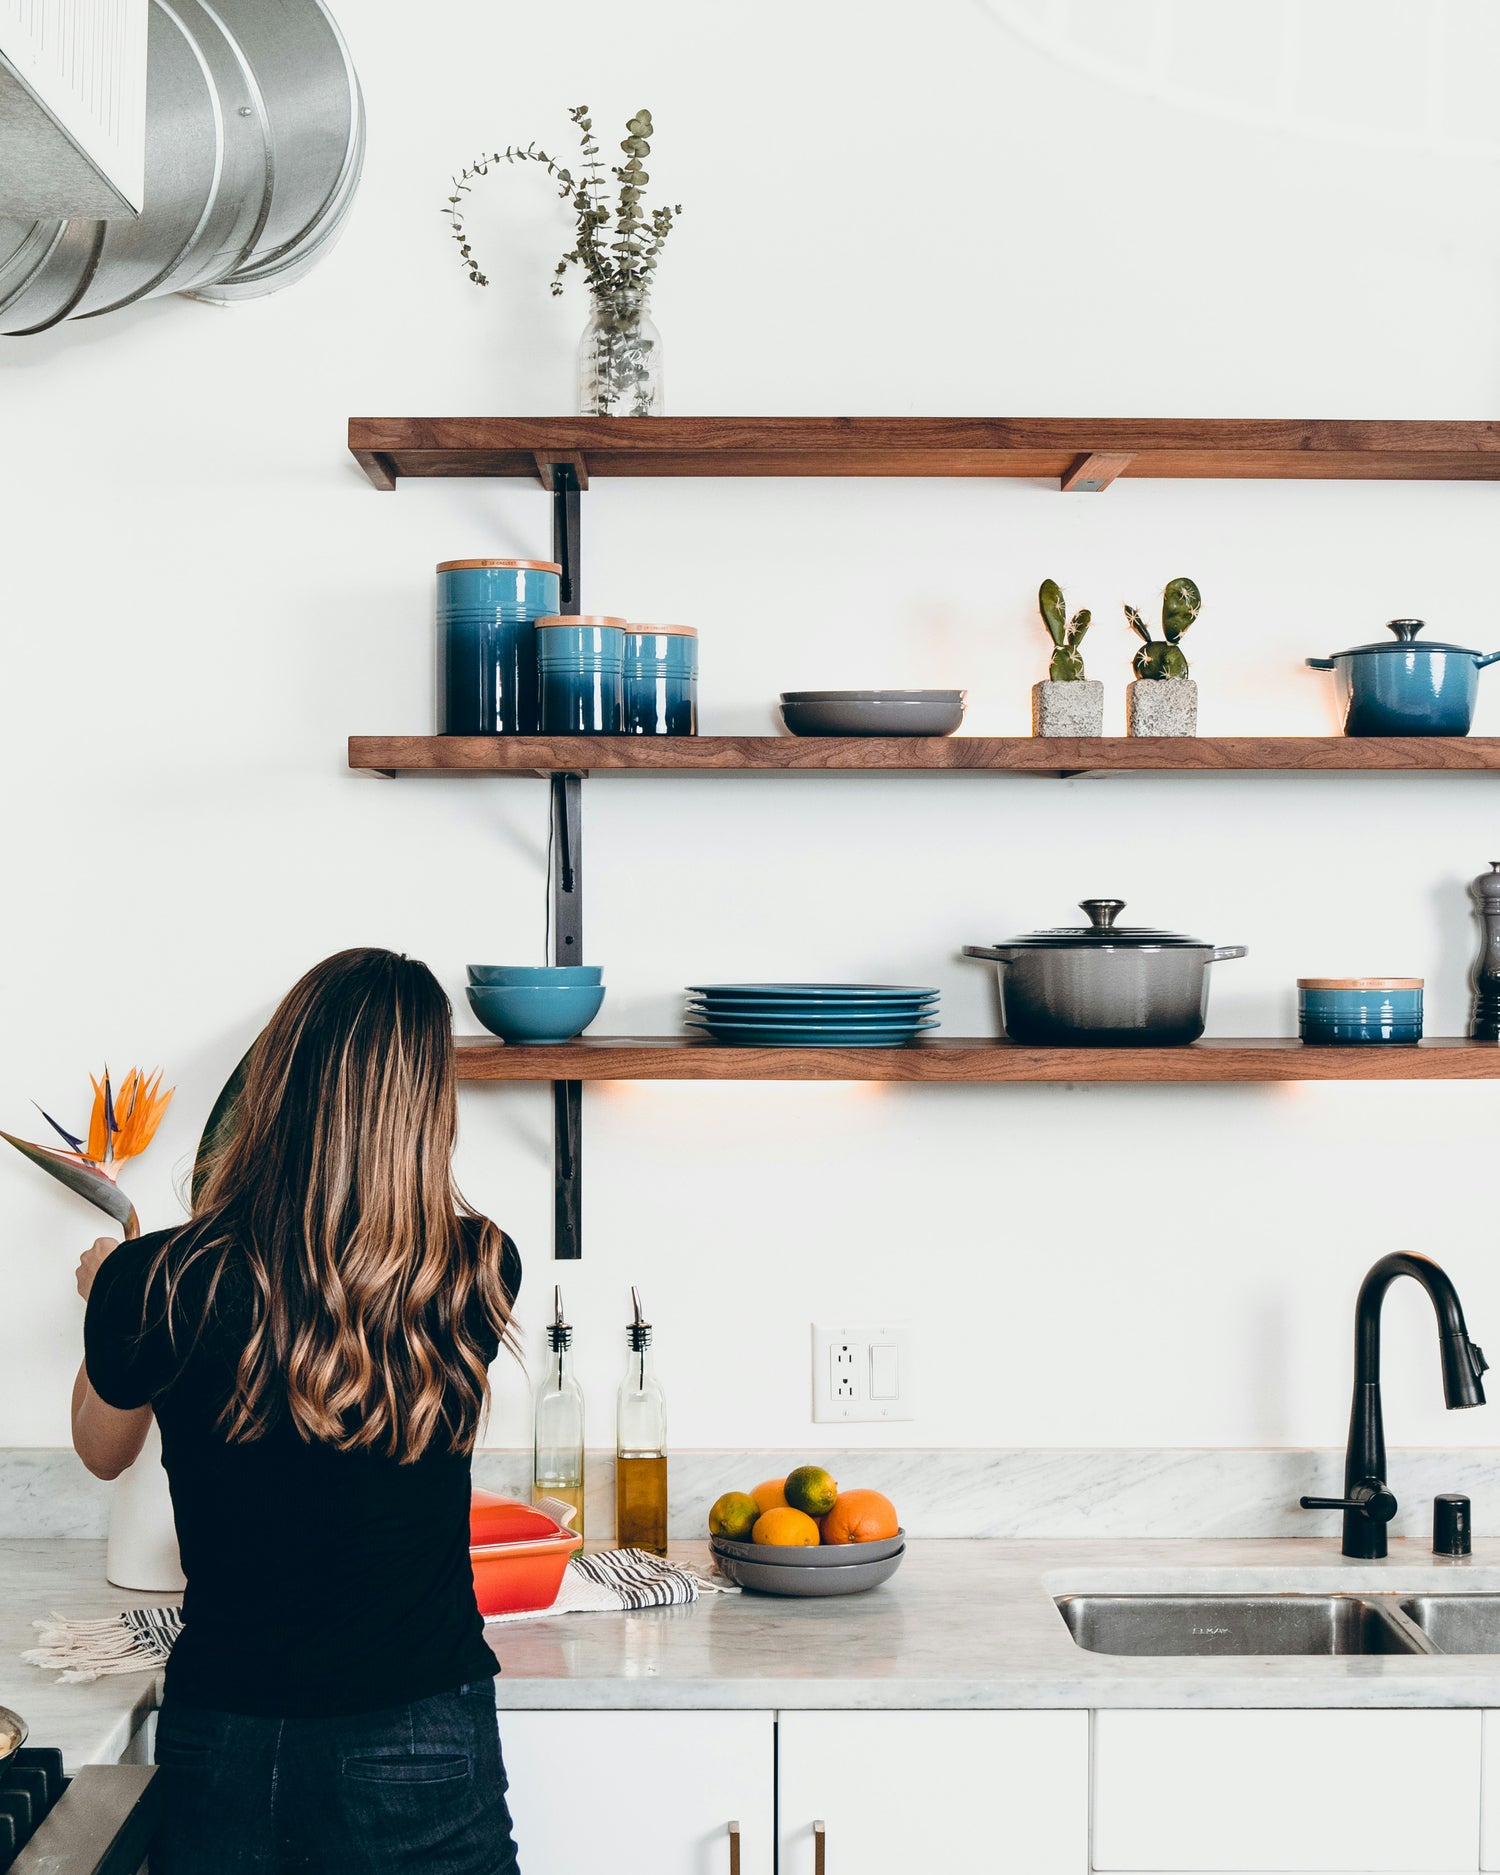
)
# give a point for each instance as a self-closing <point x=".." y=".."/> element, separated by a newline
<point x="98" y="1139"/>
<point x="138" y="1125"/>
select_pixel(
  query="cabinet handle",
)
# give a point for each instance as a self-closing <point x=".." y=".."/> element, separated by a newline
<point x="734" y="1849"/>
<point x="820" y="1847"/>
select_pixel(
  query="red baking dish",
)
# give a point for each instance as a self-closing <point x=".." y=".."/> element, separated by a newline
<point x="518" y="1554"/>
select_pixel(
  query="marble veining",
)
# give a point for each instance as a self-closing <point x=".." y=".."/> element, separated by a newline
<point x="952" y="1492"/>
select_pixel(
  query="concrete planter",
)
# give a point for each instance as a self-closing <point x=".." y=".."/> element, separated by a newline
<point x="1162" y="707"/>
<point x="1067" y="709"/>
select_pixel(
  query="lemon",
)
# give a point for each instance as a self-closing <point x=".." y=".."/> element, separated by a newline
<point x="733" y="1516"/>
<point x="809" y="1488"/>
<point x="786" y="1529"/>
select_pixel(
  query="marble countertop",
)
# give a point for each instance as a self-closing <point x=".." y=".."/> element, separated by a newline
<point x="65" y="1575"/>
<point x="973" y="1624"/>
<point x="961" y="1624"/>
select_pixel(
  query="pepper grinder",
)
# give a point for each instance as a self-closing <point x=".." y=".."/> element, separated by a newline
<point x="1486" y="1024"/>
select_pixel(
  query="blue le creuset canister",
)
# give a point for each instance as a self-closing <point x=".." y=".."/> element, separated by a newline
<point x="487" y="670"/>
<point x="1401" y="688"/>
<point x="581" y="663"/>
<point x="660" y="688"/>
<point x="1359" y="1009"/>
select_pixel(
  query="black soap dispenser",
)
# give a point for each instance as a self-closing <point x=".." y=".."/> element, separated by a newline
<point x="1452" y="1525"/>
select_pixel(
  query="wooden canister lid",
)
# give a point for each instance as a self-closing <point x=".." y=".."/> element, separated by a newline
<point x="1359" y="983"/>
<point x="666" y="631"/>
<point x="582" y="618"/>
<point x="526" y="566"/>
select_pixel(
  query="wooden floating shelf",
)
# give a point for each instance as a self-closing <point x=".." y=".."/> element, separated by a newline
<point x="1017" y="755"/>
<point x="971" y="1058"/>
<point x="1080" y="454"/>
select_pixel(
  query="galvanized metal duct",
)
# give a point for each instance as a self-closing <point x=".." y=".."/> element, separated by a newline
<point x="255" y="135"/>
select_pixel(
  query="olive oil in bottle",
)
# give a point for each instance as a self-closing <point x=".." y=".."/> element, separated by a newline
<point x="640" y="1446"/>
<point x="557" y="1422"/>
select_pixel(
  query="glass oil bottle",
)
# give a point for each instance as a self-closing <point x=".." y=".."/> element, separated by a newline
<point x="557" y="1422"/>
<point x="640" y="1446"/>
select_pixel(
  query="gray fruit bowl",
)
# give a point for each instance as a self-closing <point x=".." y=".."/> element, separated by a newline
<point x="816" y="1556"/>
<point x="789" y="1578"/>
<point x="873" y="712"/>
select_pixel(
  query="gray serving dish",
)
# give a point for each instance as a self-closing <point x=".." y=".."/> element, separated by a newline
<point x="823" y="1556"/>
<point x="873" y="712"/>
<point x="785" y="1578"/>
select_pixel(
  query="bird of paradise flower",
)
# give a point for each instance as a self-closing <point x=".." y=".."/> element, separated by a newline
<point x="121" y="1127"/>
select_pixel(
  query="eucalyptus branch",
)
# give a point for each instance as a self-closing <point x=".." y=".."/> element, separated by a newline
<point x="616" y="262"/>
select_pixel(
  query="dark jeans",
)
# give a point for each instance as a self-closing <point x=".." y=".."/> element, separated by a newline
<point x="418" y="1787"/>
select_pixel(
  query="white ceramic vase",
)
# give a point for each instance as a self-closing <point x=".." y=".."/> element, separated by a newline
<point x="142" y="1551"/>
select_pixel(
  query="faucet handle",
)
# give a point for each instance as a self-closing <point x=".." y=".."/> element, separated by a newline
<point x="1371" y="1500"/>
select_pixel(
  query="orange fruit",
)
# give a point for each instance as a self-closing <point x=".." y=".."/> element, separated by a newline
<point x="786" y="1529"/>
<point x="771" y="1495"/>
<point x="733" y="1516"/>
<point x="859" y="1517"/>
<point x="810" y="1488"/>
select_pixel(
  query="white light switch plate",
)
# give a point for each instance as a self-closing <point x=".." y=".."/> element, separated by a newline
<point x="862" y="1371"/>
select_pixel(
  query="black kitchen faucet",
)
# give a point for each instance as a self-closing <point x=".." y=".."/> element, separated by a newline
<point x="1367" y="1503"/>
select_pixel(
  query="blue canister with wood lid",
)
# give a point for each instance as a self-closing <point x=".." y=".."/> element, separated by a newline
<point x="1359" y="1009"/>
<point x="580" y="662"/>
<point x="660" y="686"/>
<point x="487" y="669"/>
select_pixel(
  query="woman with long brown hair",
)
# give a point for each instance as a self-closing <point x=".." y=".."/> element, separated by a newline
<point x="315" y="1343"/>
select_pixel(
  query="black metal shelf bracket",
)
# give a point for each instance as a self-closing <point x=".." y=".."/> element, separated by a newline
<point x="566" y="889"/>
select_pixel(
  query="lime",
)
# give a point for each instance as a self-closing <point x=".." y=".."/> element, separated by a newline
<point x="809" y="1488"/>
<point x="733" y="1516"/>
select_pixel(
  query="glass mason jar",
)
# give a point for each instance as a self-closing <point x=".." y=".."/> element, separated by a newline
<point x="619" y="360"/>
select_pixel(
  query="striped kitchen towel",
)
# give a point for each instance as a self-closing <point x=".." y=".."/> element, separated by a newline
<point x="615" y="1579"/>
<point x="138" y="1640"/>
<point x="134" y="1641"/>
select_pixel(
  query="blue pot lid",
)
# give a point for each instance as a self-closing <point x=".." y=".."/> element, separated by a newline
<point x="1405" y="640"/>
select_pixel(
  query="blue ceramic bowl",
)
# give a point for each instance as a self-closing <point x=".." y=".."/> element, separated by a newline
<point x="562" y="976"/>
<point x="1359" y="1009"/>
<point x="536" y="1012"/>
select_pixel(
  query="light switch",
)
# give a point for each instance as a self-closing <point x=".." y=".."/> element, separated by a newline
<point x="885" y="1371"/>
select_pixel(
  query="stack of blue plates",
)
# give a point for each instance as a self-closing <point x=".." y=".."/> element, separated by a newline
<point x="812" y="1015"/>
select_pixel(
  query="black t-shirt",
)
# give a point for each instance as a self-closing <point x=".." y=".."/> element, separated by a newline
<point x="319" y="1582"/>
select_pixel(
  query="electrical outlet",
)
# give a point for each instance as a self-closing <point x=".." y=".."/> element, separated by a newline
<point x="862" y="1372"/>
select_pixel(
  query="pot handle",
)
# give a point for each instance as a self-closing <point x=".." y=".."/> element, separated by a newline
<point x="1224" y="953"/>
<point x="988" y="950"/>
<point x="1323" y="664"/>
<point x="1479" y="663"/>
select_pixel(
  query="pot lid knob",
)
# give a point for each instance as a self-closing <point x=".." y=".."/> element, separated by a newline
<point x="1405" y="628"/>
<point x="1102" y="911"/>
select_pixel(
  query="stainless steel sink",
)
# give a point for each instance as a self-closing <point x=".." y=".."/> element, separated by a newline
<point x="1246" y="1624"/>
<point x="1457" y="1624"/>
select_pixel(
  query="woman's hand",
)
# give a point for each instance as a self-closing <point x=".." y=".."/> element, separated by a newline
<point x="88" y="1263"/>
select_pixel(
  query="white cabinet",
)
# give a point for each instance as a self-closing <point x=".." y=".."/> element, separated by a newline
<point x="1489" y="1802"/>
<point x="944" y="1793"/>
<point x="1362" y="1791"/>
<point x="640" y="1793"/>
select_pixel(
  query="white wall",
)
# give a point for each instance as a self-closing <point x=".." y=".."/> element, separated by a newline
<point x="889" y="208"/>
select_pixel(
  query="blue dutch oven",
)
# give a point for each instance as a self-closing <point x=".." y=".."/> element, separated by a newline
<point x="1401" y="688"/>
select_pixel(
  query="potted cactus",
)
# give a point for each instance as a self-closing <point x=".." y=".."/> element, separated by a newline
<point x="1067" y="703"/>
<point x="1163" y="700"/>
